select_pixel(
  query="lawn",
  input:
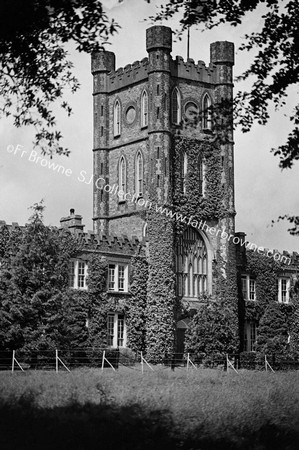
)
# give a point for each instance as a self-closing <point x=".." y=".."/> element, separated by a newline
<point x="196" y="409"/>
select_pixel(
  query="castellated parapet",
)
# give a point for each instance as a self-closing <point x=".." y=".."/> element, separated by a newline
<point x="160" y="37"/>
<point x="138" y="72"/>
<point x="109" y="243"/>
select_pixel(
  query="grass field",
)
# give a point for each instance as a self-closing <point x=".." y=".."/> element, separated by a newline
<point x="195" y="409"/>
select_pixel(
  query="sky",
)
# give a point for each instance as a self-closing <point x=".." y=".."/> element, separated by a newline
<point x="262" y="190"/>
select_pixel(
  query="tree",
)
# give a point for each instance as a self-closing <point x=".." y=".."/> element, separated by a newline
<point x="275" y="66"/>
<point x="34" y="67"/>
<point x="34" y="271"/>
<point x="212" y="330"/>
<point x="273" y="330"/>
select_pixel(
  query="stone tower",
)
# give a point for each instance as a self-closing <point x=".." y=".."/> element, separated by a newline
<point x="163" y="165"/>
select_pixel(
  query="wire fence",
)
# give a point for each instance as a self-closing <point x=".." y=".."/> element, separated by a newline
<point x="108" y="358"/>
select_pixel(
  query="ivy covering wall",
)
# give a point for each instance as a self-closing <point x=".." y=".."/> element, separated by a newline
<point x="193" y="203"/>
<point x="136" y="304"/>
<point x="161" y="297"/>
<point x="278" y="330"/>
<point x="211" y="206"/>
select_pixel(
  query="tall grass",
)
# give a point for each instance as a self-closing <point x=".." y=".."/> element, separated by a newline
<point x="195" y="409"/>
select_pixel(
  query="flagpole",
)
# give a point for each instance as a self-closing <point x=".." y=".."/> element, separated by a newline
<point x="188" y="42"/>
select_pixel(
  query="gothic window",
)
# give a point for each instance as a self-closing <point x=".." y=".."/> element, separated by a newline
<point x="206" y="112"/>
<point x="191" y="264"/>
<point x="122" y="178"/>
<point x="176" y="107"/>
<point x="116" y="118"/>
<point x="139" y="174"/>
<point x="184" y="172"/>
<point x="144" y="109"/>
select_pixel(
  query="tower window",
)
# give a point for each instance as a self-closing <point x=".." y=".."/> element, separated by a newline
<point x="102" y="110"/>
<point x="176" y="107"/>
<point x="144" y="109"/>
<point x="158" y="89"/>
<point x="122" y="178"/>
<point x="206" y="113"/>
<point x="158" y="112"/>
<point x="116" y="118"/>
<point x="139" y="174"/>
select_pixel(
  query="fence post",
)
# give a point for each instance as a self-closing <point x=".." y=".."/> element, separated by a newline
<point x="230" y="365"/>
<point x="141" y="362"/>
<point x="56" y="361"/>
<point x="13" y="361"/>
<point x="103" y="360"/>
<point x="187" y="361"/>
<point x="268" y="365"/>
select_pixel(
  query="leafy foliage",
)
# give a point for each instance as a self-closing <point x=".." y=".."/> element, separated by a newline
<point x="98" y="301"/>
<point x="161" y="299"/>
<point x="34" y="270"/>
<point x="35" y="70"/>
<point x="273" y="330"/>
<point x="136" y="305"/>
<point x="212" y="330"/>
<point x="193" y="203"/>
<point x="275" y="321"/>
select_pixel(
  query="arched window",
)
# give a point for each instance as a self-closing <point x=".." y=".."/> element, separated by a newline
<point x="184" y="172"/>
<point x="206" y="112"/>
<point x="176" y="107"/>
<point x="191" y="264"/>
<point x="144" y="109"/>
<point x="116" y="118"/>
<point x="122" y="176"/>
<point x="139" y="175"/>
<point x="144" y="231"/>
<point x="200" y="175"/>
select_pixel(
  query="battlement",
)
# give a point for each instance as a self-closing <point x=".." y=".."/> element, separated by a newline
<point x="138" y="72"/>
<point x="130" y="74"/>
<point x="159" y="40"/>
<point x="103" y="243"/>
<point x="191" y="71"/>
<point x="11" y="227"/>
<point x="110" y="243"/>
